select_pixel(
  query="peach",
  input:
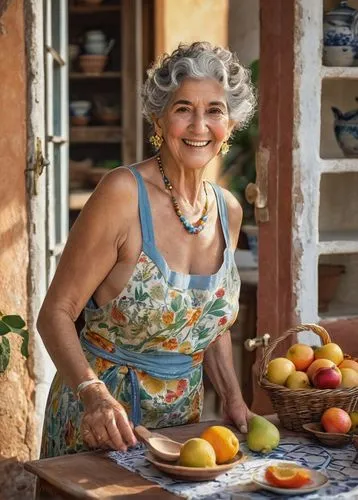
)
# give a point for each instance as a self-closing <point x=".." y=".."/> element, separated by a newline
<point x="301" y="356"/>
<point x="298" y="380"/>
<point x="318" y="363"/>
<point x="327" y="378"/>
<point x="329" y="351"/>
<point x="336" y="420"/>
<point x="279" y="369"/>
<point x="349" y="363"/>
<point x="349" y="378"/>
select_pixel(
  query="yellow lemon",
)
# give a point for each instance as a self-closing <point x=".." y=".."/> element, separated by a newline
<point x="197" y="452"/>
<point x="279" y="369"/>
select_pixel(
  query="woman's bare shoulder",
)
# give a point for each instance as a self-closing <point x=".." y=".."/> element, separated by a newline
<point x="234" y="214"/>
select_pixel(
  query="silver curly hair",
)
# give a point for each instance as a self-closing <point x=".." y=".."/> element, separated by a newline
<point x="199" y="60"/>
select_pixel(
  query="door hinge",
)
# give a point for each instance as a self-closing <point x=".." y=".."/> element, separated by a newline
<point x="38" y="167"/>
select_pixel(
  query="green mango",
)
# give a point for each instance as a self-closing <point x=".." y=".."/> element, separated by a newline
<point x="263" y="436"/>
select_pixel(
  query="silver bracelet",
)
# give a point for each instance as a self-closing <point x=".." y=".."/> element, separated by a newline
<point x="86" y="383"/>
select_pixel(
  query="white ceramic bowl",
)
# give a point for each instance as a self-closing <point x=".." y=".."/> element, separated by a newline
<point x="80" y="108"/>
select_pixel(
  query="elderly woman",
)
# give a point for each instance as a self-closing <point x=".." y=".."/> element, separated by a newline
<point x="151" y="259"/>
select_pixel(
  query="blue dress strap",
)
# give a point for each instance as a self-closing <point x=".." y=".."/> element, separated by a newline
<point x="224" y="219"/>
<point x="145" y="212"/>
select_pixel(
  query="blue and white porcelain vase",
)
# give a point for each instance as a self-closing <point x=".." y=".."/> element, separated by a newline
<point x="346" y="131"/>
<point x="340" y="36"/>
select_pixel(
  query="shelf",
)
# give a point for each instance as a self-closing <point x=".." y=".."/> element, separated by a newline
<point x="100" y="134"/>
<point x="104" y="75"/>
<point x="338" y="242"/>
<point x="338" y="311"/>
<point x="339" y="165"/>
<point x="337" y="72"/>
<point x="77" y="199"/>
<point x="93" y="9"/>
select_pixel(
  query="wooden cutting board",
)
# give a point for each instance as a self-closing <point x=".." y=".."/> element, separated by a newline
<point x="93" y="475"/>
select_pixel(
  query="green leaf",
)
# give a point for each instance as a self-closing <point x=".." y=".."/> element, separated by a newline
<point x="218" y="313"/>
<point x="144" y="395"/>
<point x="218" y="304"/>
<point x="102" y="325"/>
<point x="14" y="321"/>
<point x="113" y="329"/>
<point x="4" y="328"/>
<point x="177" y="325"/>
<point x="25" y="343"/>
<point x="4" y="354"/>
<point x="181" y="314"/>
<point x="176" y="303"/>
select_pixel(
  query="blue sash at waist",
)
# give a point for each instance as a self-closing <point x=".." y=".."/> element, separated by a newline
<point x="159" y="364"/>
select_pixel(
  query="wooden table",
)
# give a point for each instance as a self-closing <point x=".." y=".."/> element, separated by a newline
<point x="92" y="475"/>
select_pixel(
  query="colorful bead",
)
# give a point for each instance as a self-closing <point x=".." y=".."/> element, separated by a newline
<point x="191" y="228"/>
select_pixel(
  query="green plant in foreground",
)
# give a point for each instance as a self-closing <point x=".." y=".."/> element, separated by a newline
<point x="11" y="324"/>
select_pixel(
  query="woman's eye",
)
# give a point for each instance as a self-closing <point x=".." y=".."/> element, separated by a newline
<point x="182" y="109"/>
<point x="215" y="111"/>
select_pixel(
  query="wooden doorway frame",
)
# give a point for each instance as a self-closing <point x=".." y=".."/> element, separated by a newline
<point x="276" y="298"/>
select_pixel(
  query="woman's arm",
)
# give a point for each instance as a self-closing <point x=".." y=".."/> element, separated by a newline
<point x="90" y="253"/>
<point x="218" y="360"/>
<point x="219" y="366"/>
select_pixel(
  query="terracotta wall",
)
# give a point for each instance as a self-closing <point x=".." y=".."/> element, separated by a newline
<point x="16" y="407"/>
<point x="189" y="21"/>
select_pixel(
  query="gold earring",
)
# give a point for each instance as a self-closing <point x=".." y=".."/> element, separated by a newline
<point x="156" y="141"/>
<point x="225" y="147"/>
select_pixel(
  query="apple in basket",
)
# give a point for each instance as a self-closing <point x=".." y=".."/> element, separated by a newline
<point x="327" y="378"/>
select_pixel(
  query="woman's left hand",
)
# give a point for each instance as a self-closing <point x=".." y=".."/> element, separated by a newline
<point x="236" y="411"/>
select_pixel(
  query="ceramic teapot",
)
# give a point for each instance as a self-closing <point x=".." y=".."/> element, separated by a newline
<point x="340" y="36"/>
<point x="95" y="42"/>
<point x="346" y="131"/>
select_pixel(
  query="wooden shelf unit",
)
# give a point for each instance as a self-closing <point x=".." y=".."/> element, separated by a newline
<point x="94" y="9"/>
<point x="76" y="75"/>
<point x="95" y="134"/>
<point x="119" y="20"/>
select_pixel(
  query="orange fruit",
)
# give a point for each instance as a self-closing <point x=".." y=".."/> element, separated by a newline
<point x="349" y="363"/>
<point x="349" y="378"/>
<point x="301" y="356"/>
<point x="336" y="420"/>
<point x="330" y="351"/>
<point x="287" y="477"/>
<point x="224" y="442"/>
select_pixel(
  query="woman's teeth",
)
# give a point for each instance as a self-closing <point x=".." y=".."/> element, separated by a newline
<point x="197" y="144"/>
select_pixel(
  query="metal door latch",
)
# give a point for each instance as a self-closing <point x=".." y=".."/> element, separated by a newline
<point x="252" y="344"/>
<point x="39" y="164"/>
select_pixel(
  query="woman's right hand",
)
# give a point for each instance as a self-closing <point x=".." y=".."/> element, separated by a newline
<point x="105" y="422"/>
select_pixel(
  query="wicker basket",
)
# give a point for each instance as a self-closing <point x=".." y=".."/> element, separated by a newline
<point x="297" y="407"/>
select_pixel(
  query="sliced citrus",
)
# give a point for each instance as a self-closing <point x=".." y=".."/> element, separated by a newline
<point x="287" y="477"/>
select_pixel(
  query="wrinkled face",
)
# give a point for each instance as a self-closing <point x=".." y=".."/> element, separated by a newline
<point x="195" y="122"/>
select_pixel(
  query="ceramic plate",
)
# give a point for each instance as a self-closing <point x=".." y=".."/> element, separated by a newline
<point x="318" y="480"/>
<point x="193" y="473"/>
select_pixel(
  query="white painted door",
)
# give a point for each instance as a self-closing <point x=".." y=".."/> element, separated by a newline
<point x="56" y="126"/>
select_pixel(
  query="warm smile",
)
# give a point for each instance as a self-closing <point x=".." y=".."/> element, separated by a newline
<point x="196" y="144"/>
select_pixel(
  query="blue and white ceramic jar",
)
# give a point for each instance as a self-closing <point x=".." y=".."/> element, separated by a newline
<point x="340" y="36"/>
<point x="346" y="131"/>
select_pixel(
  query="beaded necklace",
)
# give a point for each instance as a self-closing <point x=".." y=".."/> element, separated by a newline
<point x="191" y="228"/>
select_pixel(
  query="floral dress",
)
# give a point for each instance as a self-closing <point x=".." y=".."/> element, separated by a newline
<point x="158" y="310"/>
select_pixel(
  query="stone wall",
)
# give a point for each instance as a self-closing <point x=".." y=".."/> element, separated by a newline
<point x="17" y="442"/>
